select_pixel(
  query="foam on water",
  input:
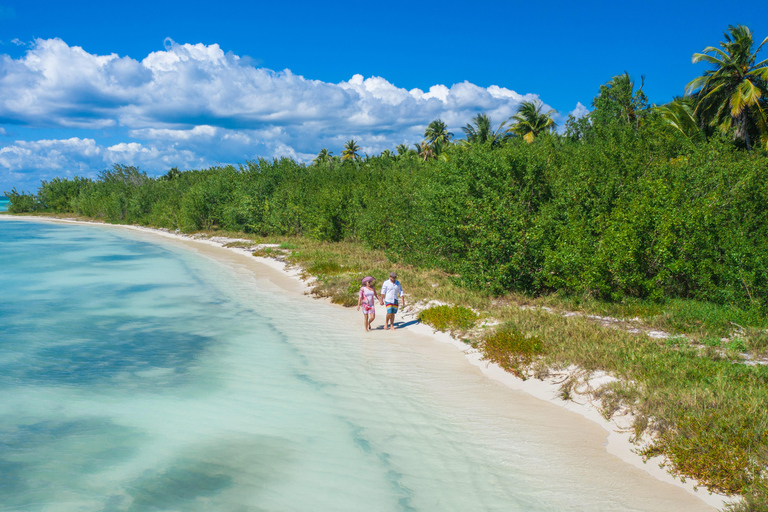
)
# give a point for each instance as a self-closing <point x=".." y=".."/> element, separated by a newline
<point x="136" y="377"/>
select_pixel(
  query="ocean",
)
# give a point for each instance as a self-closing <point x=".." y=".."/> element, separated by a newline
<point x="3" y="204"/>
<point x="139" y="375"/>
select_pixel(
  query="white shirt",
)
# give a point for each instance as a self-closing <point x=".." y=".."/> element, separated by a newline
<point x="391" y="291"/>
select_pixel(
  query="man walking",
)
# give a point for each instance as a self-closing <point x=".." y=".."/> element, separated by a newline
<point x="391" y="293"/>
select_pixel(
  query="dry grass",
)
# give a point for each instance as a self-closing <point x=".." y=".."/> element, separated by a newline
<point x="704" y="414"/>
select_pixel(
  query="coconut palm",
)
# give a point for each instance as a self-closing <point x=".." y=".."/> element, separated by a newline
<point x="404" y="152"/>
<point x="350" y="151"/>
<point x="425" y="151"/>
<point x="323" y="156"/>
<point x="733" y="93"/>
<point x="479" y="131"/>
<point x="530" y="121"/>
<point x="387" y="154"/>
<point x="437" y="135"/>
<point x="679" y="115"/>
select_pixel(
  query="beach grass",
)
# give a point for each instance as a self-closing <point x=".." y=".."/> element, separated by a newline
<point x="694" y="400"/>
<point x="449" y="318"/>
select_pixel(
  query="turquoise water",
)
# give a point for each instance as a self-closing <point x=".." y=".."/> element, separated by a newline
<point x="3" y="204"/>
<point x="137" y="376"/>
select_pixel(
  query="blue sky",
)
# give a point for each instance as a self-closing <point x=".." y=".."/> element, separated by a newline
<point x="84" y="85"/>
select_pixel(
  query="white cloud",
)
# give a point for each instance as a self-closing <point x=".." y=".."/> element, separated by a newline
<point x="579" y="111"/>
<point x="209" y="106"/>
<point x="45" y="159"/>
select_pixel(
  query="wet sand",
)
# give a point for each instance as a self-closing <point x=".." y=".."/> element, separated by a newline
<point x="587" y="446"/>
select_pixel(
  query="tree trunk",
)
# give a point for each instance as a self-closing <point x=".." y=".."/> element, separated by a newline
<point x="741" y="128"/>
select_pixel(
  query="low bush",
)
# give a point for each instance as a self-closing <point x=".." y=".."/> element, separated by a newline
<point x="512" y="350"/>
<point x="449" y="318"/>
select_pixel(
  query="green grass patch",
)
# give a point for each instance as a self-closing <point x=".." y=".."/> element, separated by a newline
<point x="673" y="315"/>
<point x="449" y="318"/>
<point x="239" y="245"/>
<point x="512" y="350"/>
<point x="757" y="341"/>
<point x="706" y="412"/>
<point x="324" y="268"/>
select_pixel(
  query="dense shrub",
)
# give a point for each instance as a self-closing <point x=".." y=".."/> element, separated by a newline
<point x="618" y="207"/>
<point x="20" y="202"/>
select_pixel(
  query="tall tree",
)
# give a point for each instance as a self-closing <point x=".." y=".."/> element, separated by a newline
<point x="425" y="151"/>
<point x="323" y="156"/>
<point x="679" y="115"/>
<point x="530" y="121"/>
<point x="618" y="101"/>
<point x="437" y="135"/>
<point x="350" y="151"/>
<point x="733" y="93"/>
<point x="479" y="131"/>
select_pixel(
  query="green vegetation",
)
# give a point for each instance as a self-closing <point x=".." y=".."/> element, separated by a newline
<point x="732" y="94"/>
<point x="350" y="151"/>
<point x="449" y="318"/>
<point x="634" y="211"/>
<point x="530" y="121"/>
<point x="512" y="350"/>
<point x="705" y="414"/>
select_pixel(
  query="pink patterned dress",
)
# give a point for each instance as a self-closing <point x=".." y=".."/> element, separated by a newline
<point x="367" y="296"/>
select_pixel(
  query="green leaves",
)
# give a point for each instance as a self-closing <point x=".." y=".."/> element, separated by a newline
<point x="479" y="132"/>
<point x="350" y="151"/>
<point x="679" y="115"/>
<point x="732" y="95"/>
<point x="530" y="121"/>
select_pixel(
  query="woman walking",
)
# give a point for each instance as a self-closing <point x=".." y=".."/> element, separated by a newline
<point x="366" y="299"/>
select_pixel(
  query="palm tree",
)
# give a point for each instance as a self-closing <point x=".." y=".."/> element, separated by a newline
<point x="732" y="94"/>
<point x="350" y="151"/>
<point x="530" y="121"/>
<point x="323" y="156"/>
<point x="425" y="151"/>
<point x="679" y="115"/>
<point x="403" y="151"/>
<point x="387" y="154"/>
<point x="437" y="135"/>
<point x="479" y="131"/>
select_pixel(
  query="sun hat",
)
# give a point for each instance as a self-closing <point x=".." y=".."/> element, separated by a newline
<point x="368" y="278"/>
<point x="393" y="274"/>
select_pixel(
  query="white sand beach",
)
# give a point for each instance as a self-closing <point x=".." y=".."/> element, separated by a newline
<point x="596" y="449"/>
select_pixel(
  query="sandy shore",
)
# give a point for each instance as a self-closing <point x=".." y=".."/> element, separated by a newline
<point x="614" y="439"/>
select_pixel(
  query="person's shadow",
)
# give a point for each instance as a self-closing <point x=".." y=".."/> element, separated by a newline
<point x="400" y="325"/>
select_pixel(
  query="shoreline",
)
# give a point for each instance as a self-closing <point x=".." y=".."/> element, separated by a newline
<point x="617" y="438"/>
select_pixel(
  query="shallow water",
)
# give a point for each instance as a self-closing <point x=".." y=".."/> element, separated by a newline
<point x="138" y="376"/>
<point x="3" y="204"/>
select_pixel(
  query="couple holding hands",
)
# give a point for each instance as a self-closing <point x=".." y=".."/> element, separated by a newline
<point x="391" y="293"/>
